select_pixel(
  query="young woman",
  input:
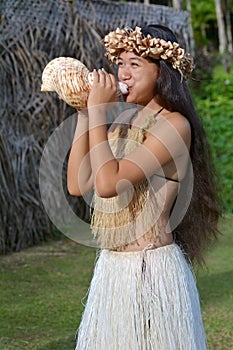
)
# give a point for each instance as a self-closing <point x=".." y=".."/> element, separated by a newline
<point x="155" y="204"/>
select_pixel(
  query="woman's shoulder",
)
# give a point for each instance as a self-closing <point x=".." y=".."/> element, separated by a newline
<point x="170" y="124"/>
<point x="176" y="119"/>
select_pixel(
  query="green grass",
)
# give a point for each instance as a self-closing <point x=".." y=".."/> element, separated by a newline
<point x="215" y="284"/>
<point x="41" y="293"/>
<point x="42" y="289"/>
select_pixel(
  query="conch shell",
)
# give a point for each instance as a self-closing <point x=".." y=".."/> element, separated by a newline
<point x="71" y="80"/>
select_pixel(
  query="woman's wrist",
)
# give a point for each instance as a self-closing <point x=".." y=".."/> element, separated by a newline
<point x="97" y="116"/>
<point x="82" y="125"/>
<point x="83" y="114"/>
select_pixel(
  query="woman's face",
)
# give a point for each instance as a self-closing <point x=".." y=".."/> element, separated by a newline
<point x="140" y="75"/>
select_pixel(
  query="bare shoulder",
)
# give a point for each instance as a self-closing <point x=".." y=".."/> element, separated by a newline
<point x="172" y="124"/>
<point x="182" y="125"/>
<point x="176" y="119"/>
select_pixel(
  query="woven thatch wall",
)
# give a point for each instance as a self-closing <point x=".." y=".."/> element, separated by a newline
<point x="32" y="32"/>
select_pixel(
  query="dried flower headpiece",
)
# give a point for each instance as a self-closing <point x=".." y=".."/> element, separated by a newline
<point x="127" y="39"/>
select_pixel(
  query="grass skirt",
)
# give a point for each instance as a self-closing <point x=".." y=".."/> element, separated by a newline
<point x="144" y="300"/>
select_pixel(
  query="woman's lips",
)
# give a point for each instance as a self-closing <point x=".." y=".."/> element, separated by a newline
<point x="123" y="88"/>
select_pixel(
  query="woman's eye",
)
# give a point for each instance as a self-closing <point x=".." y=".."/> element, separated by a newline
<point x="135" y="65"/>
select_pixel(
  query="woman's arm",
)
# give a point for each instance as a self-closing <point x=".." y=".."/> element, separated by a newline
<point x="165" y="144"/>
<point x="167" y="141"/>
<point x="79" y="173"/>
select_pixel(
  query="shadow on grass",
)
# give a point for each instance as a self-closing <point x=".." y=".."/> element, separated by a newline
<point x="67" y="343"/>
<point x="215" y="287"/>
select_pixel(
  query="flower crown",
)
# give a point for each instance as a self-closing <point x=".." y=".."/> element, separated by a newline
<point x="127" y="39"/>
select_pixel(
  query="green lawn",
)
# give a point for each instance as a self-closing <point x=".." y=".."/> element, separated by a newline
<point x="215" y="284"/>
<point x="42" y="290"/>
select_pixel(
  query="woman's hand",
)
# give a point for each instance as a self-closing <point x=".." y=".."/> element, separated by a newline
<point x="104" y="88"/>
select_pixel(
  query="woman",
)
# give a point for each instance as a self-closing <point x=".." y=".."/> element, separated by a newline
<point x="143" y="294"/>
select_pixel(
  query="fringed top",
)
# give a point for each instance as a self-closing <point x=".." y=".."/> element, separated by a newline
<point x="121" y="220"/>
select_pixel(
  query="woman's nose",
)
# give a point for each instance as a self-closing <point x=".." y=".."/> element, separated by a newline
<point x="124" y="74"/>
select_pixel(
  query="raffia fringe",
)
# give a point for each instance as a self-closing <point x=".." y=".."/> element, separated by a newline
<point x="142" y="301"/>
<point x="120" y="220"/>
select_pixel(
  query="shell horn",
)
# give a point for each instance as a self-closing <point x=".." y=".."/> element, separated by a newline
<point x="71" y="80"/>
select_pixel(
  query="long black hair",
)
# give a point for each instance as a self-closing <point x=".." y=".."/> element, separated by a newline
<point x="199" y="225"/>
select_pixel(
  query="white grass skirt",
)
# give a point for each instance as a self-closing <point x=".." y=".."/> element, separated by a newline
<point x="144" y="300"/>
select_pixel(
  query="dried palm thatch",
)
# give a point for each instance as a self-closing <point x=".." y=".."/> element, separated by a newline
<point x="31" y="34"/>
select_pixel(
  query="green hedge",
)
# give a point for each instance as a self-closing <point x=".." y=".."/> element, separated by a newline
<point x="214" y="103"/>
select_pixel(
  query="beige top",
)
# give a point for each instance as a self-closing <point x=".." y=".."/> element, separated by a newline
<point x="141" y="212"/>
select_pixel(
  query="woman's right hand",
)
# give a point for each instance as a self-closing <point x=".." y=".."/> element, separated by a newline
<point x="104" y="89"/>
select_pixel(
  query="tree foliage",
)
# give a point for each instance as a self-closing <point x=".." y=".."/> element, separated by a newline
<point x="216" y="111"/>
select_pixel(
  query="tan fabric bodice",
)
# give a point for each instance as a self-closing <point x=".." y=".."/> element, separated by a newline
<point x="121" y="220"/>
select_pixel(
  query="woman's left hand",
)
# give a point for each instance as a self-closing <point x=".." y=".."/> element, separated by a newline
<point x="103" y="90"/>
